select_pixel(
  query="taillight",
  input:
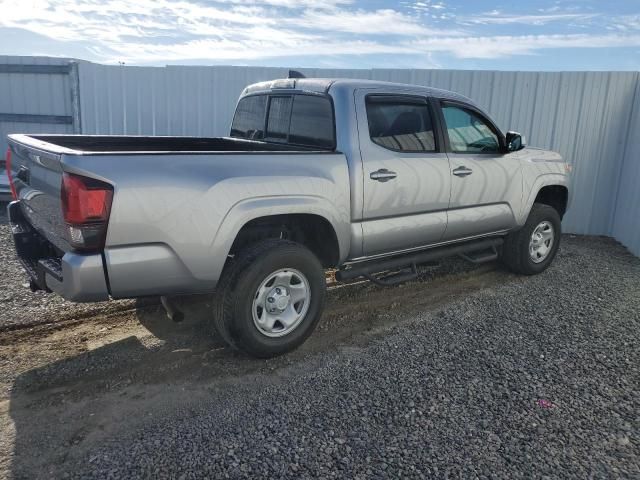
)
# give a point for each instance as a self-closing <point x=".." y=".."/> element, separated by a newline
<point x="86" y="205"/>
<point x="10" y="174"/>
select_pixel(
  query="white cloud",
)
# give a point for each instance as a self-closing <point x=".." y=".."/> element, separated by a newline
<point x="106" y="20"/>
<point x="292" y="3"/>
<point x="625" y="23"/>
<point x="383" y="21"/>
<point x="285" y="45"/>
<point x="157" y="31"/>
<point x="499" y="46"/>
<point x="497" y="18"/>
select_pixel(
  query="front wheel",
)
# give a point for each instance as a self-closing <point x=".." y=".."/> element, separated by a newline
<point x="270" y="298"/>
<point x="531" y="249"/>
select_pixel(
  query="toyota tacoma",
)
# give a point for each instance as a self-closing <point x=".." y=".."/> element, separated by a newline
<point x="367" y="178"/>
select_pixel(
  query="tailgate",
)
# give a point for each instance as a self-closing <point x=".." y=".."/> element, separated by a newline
<point x="37" y="176"/>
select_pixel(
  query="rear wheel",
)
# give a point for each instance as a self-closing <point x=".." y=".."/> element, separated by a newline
<point x="531" y="249"/>
<point x="270" y="298"/>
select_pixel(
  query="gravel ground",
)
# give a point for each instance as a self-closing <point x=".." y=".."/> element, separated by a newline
<point x="538" y="377"/>
<point x="19" y="306"/>
<point x="470" y="374"/>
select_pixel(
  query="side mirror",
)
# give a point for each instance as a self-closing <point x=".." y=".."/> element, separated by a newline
<point x="515" y="141"/>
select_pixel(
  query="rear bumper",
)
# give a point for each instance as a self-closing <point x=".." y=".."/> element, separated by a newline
<point x="82" y="279"/>
<point x="73" y="276"/>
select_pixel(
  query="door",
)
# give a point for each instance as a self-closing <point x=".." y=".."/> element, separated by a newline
<point x="407" y="179"/>
<point x="486" y="183"/>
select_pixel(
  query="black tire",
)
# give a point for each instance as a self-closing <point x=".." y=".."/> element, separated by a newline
<point x="233" y="301"/>
<point x="515" y="252"/>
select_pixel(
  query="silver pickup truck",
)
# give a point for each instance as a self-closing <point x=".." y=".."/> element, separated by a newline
<point x="368" y="178"/>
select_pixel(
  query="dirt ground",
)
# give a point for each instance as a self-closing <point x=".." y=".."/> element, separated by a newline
<point x="62" y="384"/>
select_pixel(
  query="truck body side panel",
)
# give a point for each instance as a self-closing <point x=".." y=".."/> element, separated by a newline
<point x="174" y="216"/>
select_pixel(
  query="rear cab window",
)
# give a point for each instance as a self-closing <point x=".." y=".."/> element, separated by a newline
<point x="296" y="119"/>
<point x="248" y="121"/>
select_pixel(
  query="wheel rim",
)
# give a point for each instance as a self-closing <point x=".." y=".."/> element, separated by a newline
<point x="541" y="242"/>
<point x="281" y="302"/>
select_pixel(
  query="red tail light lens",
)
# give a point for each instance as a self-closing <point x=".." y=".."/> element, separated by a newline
<point x="86" y="205"/>
<point x="85" y="200"/>
<point x="14" y="194"/>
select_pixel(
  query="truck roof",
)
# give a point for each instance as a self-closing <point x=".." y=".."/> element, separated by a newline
<point x="324" y="85"/>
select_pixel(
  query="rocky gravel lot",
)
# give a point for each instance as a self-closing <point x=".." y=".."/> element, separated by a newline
<point x="468" y="373"/>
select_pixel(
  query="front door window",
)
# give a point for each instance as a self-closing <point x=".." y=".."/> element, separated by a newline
<point x="469" y="132"/>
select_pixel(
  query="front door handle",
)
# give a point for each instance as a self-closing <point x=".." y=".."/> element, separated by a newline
<point x="462" y="171"/>
<point x="383" y="175"/>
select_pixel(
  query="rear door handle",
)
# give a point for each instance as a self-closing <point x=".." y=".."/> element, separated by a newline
<point x="383" y="175"/>
<point x="462" y="171"/>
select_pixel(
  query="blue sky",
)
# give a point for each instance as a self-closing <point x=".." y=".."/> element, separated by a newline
<point x="460" y="34"/>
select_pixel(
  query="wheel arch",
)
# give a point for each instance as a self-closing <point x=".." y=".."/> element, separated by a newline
<point x="551" y="189"/>
<point x="309" y="229"/>
<point x="556" y="196"/>
<point x="306" y="213"/>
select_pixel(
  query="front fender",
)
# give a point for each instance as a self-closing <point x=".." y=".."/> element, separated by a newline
<point x="541" y="181"/>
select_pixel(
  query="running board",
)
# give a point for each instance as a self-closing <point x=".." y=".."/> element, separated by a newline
<point x="368" y="268"/>
<point x="394" y="279"/>
<point x="481" y="256"/>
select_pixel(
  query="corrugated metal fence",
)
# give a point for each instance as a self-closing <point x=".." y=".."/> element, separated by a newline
<point x="625" y="220"/>
<point x="591" y="118"/>
<point x="36" y="95"/>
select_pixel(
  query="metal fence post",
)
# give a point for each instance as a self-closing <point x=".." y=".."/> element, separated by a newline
<point x="74" y="80"/>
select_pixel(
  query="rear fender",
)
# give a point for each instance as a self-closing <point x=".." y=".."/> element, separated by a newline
<point x="251" y="209"/>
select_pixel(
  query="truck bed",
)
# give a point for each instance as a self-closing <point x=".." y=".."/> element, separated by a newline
<point x="177" y="205"/>
<point x="155" y="144"/>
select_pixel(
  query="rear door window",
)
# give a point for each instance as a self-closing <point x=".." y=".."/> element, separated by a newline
<point x="312" y="122"/>
<point x="400" y="124"/>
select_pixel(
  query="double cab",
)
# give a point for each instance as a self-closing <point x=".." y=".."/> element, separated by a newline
<point x="368" y="178"/>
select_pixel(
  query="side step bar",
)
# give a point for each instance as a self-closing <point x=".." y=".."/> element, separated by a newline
<point x="367" y="268"/>
<point x="394" y="279"/>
